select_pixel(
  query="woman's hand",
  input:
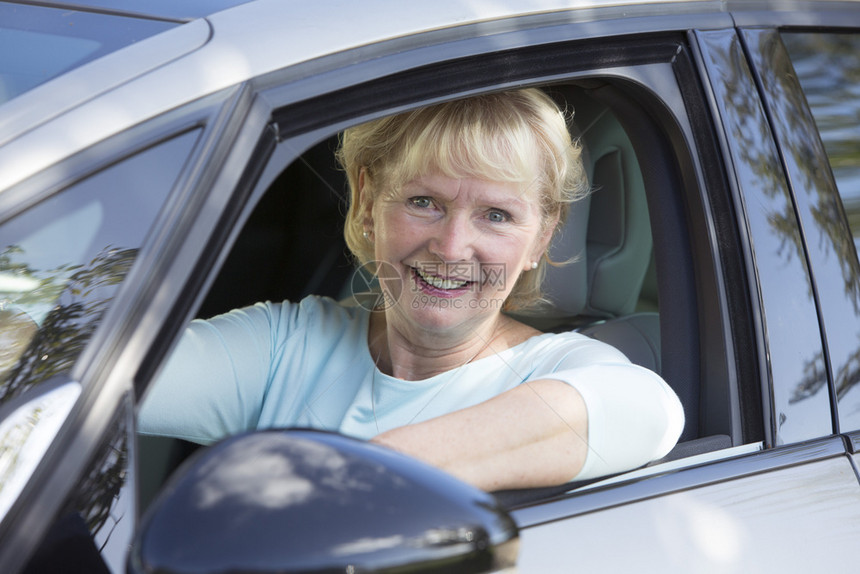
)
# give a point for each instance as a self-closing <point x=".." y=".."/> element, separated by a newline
<point x="530" y="436"/>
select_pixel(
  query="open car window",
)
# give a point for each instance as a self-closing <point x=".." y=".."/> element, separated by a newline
<point x="293" y="246"/>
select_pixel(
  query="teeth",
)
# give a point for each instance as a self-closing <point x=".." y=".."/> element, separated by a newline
<point x="440" y="283"/>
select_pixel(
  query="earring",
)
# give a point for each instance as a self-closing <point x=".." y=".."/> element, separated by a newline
<point x="534" y="264"/>
<point x="365" y="234"/>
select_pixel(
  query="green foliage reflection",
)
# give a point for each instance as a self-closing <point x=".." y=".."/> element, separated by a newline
<point x="44" y="329"/>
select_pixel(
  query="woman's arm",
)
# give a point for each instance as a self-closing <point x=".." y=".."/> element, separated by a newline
<point x="582" y="423"/>
<point x="213" y="383"/>
<point x="532" y="435"/>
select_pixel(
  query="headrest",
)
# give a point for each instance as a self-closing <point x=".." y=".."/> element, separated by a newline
<point x="566" y="286"/>
<point x="608" y="232"/>
<point x="618" y="242"/>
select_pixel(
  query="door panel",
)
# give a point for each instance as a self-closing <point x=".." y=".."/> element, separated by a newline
<point x="797" y="519"/>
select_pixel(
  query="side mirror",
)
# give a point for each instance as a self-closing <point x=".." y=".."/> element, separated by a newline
<point x="312" y="501"/>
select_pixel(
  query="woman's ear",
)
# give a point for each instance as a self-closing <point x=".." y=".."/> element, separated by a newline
<point x="544" y="237"/>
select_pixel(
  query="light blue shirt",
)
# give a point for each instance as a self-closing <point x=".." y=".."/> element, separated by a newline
<point x="307" y="364"/>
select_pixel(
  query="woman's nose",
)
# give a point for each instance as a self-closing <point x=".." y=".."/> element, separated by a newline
<point x="454" y="239"/>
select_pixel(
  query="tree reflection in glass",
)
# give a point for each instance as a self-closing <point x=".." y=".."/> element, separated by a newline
<point x="827" y="67"/>
<point x="47" y="320"/>
<point x="790" y="325"/>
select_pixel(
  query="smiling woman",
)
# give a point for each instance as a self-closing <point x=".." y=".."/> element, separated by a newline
<point x="515" y="140"/>
<point x="454" y="206"/>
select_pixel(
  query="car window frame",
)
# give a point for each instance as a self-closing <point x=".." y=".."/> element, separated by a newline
<point x="293" y="132"/>
<point x="294" y="120"/>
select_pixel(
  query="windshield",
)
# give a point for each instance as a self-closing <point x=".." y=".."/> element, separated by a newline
<point x="39" y="43"/>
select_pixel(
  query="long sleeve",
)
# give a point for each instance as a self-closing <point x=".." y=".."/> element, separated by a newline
<point x="634" y="417"/>
<point x="215" y="380"/>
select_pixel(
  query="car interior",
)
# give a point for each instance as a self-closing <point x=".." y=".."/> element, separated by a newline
<point x="621" y="239"/>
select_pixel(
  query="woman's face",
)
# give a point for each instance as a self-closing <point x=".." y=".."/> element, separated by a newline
<point x="457" y="246"/>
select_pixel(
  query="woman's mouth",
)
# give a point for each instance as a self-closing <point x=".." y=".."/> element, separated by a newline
<point x="439" y="282"/>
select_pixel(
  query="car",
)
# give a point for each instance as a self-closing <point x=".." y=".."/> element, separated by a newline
<point x="161" y="161"/>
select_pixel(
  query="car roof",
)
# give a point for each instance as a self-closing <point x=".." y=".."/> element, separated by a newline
<point x="239" y="40"/>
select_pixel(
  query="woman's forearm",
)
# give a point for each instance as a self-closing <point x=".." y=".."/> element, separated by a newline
<point x="533" y="435"/>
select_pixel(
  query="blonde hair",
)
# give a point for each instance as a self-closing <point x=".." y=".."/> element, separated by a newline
<point x="517" y="136"/>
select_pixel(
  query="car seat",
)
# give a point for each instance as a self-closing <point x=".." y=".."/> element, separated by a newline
<point x="608" y="237"/>
<point x="609" y="291"/>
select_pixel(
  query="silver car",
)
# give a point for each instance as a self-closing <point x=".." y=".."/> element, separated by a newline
<point x="161" y="161"/>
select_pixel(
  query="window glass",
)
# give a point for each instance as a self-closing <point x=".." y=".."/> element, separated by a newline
<point x="93" y="530"/>
<point x="185" y="10"/>
<point x="828" y="68"/>
<point x="62" y="261"/>
<point x="38" y="43"/>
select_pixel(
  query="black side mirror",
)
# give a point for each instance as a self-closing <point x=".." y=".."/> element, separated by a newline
<point x="311" y="501"/>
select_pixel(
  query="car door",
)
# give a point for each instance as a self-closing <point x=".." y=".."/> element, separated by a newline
<point x="794" y="505"/>
<point x="761" y="479"/>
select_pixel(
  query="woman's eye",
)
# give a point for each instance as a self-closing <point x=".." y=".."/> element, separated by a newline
<point x="498" y="216"/>
<point x="421" y="202"/>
